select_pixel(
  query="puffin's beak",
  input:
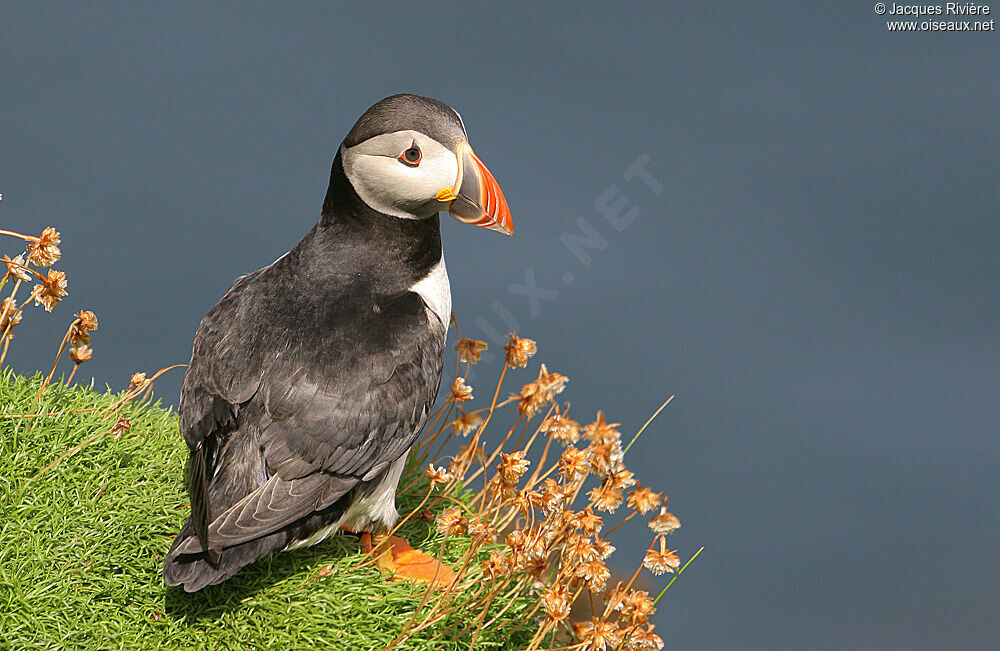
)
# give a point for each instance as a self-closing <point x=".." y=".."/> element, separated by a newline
<point x="477" y="198"/>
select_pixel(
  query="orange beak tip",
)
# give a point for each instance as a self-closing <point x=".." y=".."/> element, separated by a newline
<point x="480" y="201"/>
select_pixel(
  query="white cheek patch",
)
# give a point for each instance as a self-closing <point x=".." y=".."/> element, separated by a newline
<point x="392" y="187"/>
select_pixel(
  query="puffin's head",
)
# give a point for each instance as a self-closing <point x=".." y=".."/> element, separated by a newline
<point x="408" y="156"/>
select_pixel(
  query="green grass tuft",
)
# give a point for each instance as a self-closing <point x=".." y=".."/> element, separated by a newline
<point x="81" y="548"/>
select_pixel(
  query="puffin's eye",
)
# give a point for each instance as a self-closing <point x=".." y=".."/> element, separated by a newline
<point x="411" y="156"/>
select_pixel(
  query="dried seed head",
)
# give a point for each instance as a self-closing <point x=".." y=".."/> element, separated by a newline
<point x="496" y="565"/>
<point x="555" y="600"/>
<point x="88" y="320"/>
<point x="553" y="495"/>
<point x="536" y="566"/>
<point x="80" y="354"/>
<point x="51" y="290"/>
<point x="466" y="422"/>
<point x="661" y="561"/>
<point x="556" y="524"/>
<point x="483" y="531"/>
<point x="595" y="573"/>
<point x="536" y="547"/>
<point x="517" y="540"/>
<point x="460" y="391"/>
<point x="85" y="322"/>
<point x="529" y="403"/>
<point x="78" y="337"/>
<point x="527" y="499"/>
<point x="519" y="350"/>
<point x="664" y="522"/>
<point x="579" y="549"/>
<point x="541" y="392"/>
<point x="45" y="251"/>
<point x="644" y="639"/>
<point x="562" y="429"/>
<point x="9" y="317"/>
<point x="451" y="522"/>
<point x="643" y="500"/>
<point x="621" y="479"/>
<point x="16" y="268"/>
<point x="438" y="475"/>
<point x="605" y="458"/>
<point x="550" y="383"/>
<point x="502" y="488"/>
<point x="122" y="425"/>
<point x="637" y="606"/>
<point x="599" y="635"/>
<point x="138" y="381"/>
<point x="470" y="350"/>
<point x="615" y="598"/>
<point x="588" y="522"/>
<point x="512" y="466"/>
<point x="581" y="630"/>
<point x="600" y="432"/>
<point x="573" y="463"/>
<point x="605" y="497"/>
<point x="603" y="548"/>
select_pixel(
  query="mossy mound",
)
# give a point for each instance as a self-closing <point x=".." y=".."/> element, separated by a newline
<point x="82" y="543"/>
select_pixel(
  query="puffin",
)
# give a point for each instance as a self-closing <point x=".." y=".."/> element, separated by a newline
<point x="310" y="380"/>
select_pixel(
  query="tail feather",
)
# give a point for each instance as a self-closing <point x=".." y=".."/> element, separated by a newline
<point x="196" y="571"/>
<point x="201" y="507"/>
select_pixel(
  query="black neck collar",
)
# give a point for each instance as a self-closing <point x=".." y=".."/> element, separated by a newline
<point x="351" y="238"/>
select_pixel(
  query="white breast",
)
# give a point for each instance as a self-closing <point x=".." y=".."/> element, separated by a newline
<point x="435" y="290"/>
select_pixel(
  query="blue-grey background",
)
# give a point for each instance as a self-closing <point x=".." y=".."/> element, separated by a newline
<point x="816" y="282"/>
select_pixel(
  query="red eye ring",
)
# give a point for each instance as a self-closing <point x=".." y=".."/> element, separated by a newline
<point x="412" y="156"/>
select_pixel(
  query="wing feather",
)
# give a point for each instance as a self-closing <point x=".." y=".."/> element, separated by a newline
<point x="327" y="405"/>
<point x="275" y="504"/>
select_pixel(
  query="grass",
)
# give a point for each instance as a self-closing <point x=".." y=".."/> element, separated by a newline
<point x="82" y="543"/>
